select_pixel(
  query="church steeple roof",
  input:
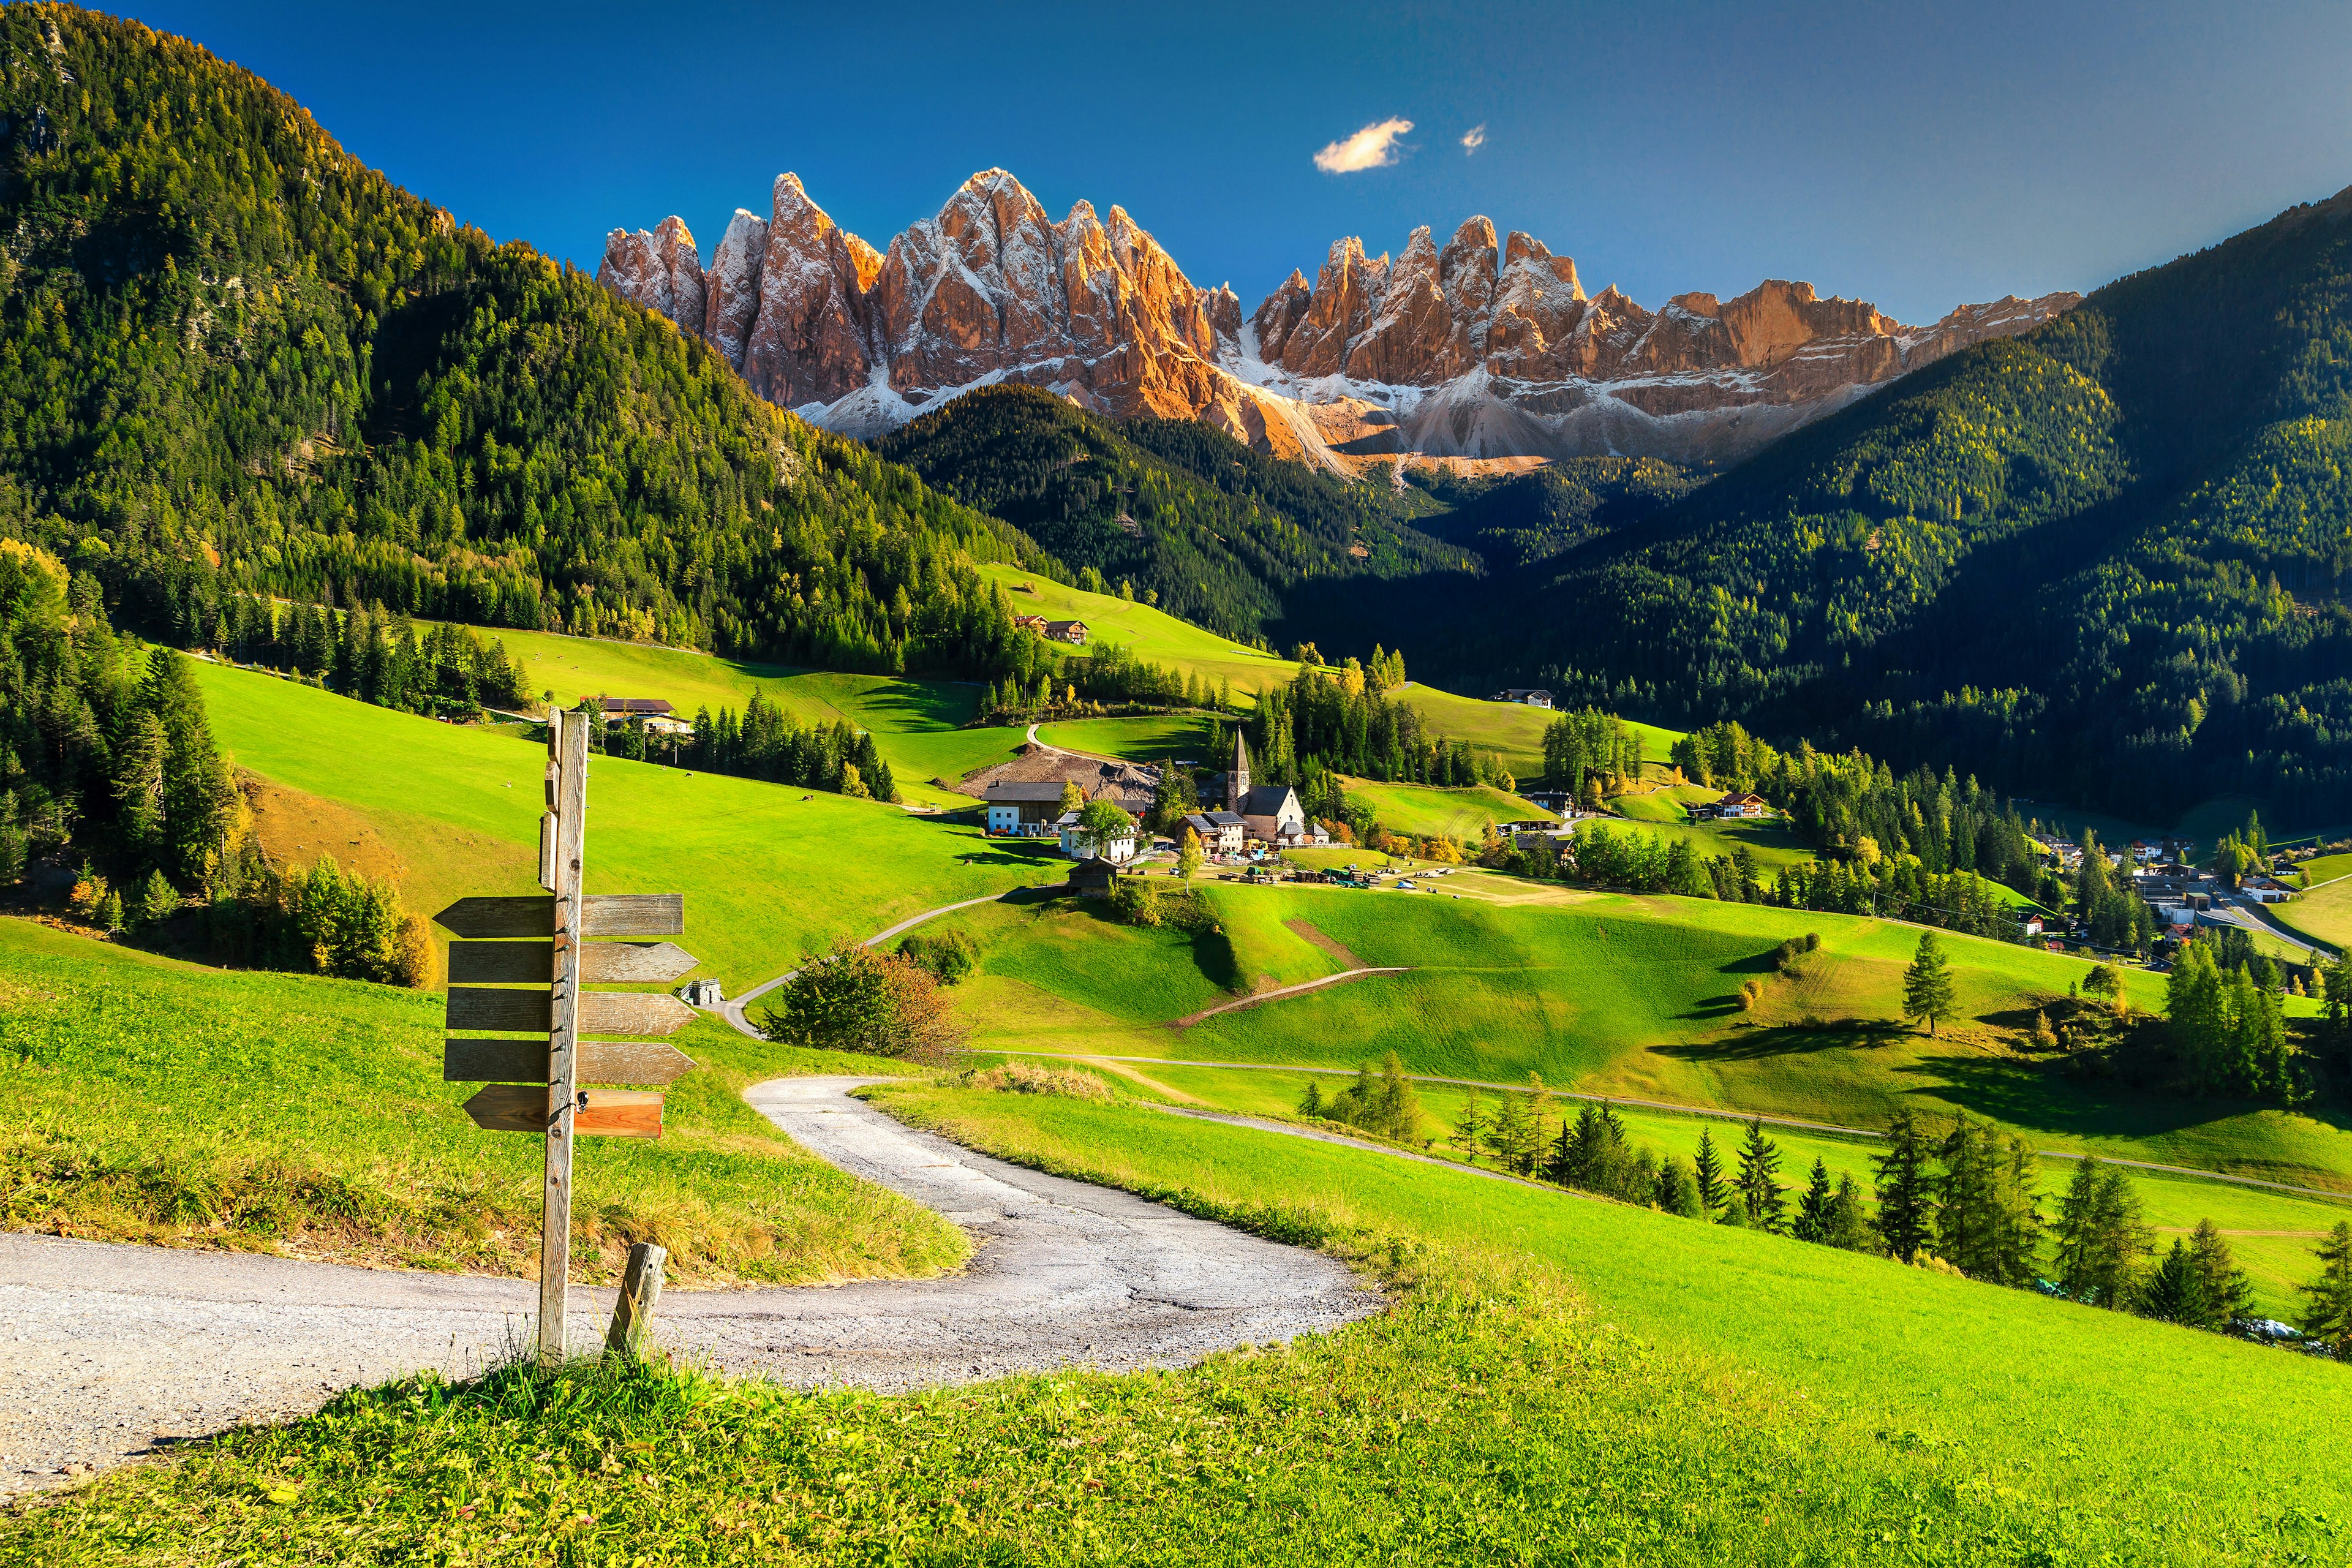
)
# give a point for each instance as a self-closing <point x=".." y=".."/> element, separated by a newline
<point x="1241" y="753"/>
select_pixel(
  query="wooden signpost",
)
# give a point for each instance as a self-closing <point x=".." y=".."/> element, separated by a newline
<point x="541" y="1084"/>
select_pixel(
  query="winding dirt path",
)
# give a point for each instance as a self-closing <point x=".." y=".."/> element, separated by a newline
<point x="1189" y="1019"/>
<point x="111" y="1352"/>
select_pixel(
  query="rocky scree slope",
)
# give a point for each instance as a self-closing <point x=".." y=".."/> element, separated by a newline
<point x="1482" y="348"/>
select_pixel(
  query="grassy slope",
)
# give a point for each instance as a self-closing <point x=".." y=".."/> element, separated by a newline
<point x="1422" y="810"/>
<point x="1512" y="728"/>
<point x="770" y="873"/>
<point x="1151" y="634"/>
<point x="1773" y="846"/>
<point x="2323" y="914"/>
<point x="1150" y="739"/>
<point x="152" y="1100"/>
<point x="916" y="723"/>
<point x="1625" y="995"/>
<point x="1559" y="1381"/>
<point x="2271" y="1233"/>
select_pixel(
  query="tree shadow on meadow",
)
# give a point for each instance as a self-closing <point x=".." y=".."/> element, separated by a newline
<point x="920" y="704"/>
<point x="2043" y="1097"/>
<point x="1751" y="1042"/>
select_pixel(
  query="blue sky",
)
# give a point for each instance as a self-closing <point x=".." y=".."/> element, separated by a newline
<point x="1911" y="156"/>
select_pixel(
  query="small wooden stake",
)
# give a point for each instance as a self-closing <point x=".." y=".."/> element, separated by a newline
<point x="632" y="1312"/>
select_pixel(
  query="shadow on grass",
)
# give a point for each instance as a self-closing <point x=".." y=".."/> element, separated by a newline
<point x="920" y="705"/>
<point x="1755" y="1041"/>
<point x="2040" y="1095"/>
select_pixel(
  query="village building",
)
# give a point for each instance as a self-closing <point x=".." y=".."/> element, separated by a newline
<point x="1073" y="632"/>
<point x="1092" y="879"/>
<point x="1131" y="784"/>
<point x="1746" y="804"/>
<point x="1030" y="623"/>
<point x="1270" y="813"/>
<point x="1220" y="831"/>
<point x="1118" y="848"/>
<point x="1023" y="808"/>
<point x="1528" y="696"/>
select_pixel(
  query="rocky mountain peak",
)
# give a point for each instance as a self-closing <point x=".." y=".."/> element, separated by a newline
<point x="1476" y="347"/>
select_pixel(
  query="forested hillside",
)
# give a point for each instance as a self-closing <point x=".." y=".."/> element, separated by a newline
<point x="1514" y="519"/>
<point x="235" y="360"/>
<point x="1218" y="531"/>
<point x="2108" y="559"/>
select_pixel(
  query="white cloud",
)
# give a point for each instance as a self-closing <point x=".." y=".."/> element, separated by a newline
<point x="1373" y="147"/>
<point x="1474" y="138"/>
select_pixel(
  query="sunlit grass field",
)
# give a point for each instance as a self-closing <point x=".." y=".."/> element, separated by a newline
<point x="1610" y="995"/>
<point x="770" y="873"/>
<point x="1151" y="634"/>
<point x="157" y="1101"/>
<point x="1425" y="811"/>
<point x="1556" y="1380"/>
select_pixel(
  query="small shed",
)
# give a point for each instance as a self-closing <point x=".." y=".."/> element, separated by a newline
<point x="1091" y="878"/>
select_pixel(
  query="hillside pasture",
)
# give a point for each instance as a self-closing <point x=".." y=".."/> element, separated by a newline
<point x="1427" y="811"/>
<point x="1147" y="633"/>
<point x="770" y="873"/>
<point x="161" y="1102"/>
<point x="1636" y="997"/>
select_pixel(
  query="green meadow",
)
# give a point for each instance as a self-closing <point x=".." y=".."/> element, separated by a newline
<point x="1151" y="738"/>
<point x="1426" y="811"/>
<point x="157" y="1101"/>
<point x="2325" y="913"/>
<point x="2272" y="1233"/>
<point x="1151" y="634"/>
<point x="916" y="724"/>
<point x="1512" y="728"/>
<point x="1555" y="1379"/>
<point x="770" y="873"/>
<point x="1613" y="994"/>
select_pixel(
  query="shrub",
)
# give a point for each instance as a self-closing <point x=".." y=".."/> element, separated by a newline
<point x="1028" y="1077"/>
<point x="856" y="999"/>
<point x="1750" y="995"/>
<point x="949" y="955"/>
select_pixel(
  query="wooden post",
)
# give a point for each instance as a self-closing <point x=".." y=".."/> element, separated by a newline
<point x="632" y="1312"/>
<point x="567" y="743"/>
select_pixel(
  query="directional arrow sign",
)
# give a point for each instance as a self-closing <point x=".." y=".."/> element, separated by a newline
<point x="600" y="1012"/>
<point x="522" y="1107"/>
<point x="602" y="914"/>
<point x="531" y="962"/>
<point x="525" y="1061"/>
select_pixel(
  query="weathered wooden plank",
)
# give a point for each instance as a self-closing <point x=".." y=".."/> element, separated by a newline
<point x="547" y="851"/>
<point x="608" y="963"/>
<point x="633" y="1309"/>
<point x="524" y="916"/>
<point x="517" y="1012"/>
<point x="609" y="1112"/>
<point x="501" y="963"/>
<point x="632" y="1013"/>
<point x="600" y="963"/>
<point x="526" y="1062"/>
<point x="633" y="914"/>
<point x="567" y="745"/>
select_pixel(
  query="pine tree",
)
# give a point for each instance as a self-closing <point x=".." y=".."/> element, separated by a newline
<point x="1848" y="1224"/>
<point x="2172" y="1293"/>
<point x="2224" y="1291"/>
<point x="2100" y="1236"/>
<point x="1812" y="1221"/>
<point x="1677" y="1191"/>
<point x="1513" y="1134"/>
<point x="1469" y="1127"/>
<point x="1760" y="1163"/>
<point x="1706" y="1169"/>
<point x="1311" y="1102"/>
<point x="1735" y="1211"/>
<point x="1928" y="991"/>
<point x="2327" y="1317"/>
<point x="1906" y="1189"/>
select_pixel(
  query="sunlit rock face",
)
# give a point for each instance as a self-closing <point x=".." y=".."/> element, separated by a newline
<point x="1475" y="348"/>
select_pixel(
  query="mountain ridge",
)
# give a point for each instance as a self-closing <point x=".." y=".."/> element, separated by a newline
<point x="1485" y="350"/>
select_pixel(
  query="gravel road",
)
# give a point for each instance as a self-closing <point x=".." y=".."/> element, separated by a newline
<point x="111" y="1352"/>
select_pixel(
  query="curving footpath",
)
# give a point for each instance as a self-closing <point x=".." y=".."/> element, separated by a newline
<point x="112" y="1352"/>
<point x="732" y="1011"/>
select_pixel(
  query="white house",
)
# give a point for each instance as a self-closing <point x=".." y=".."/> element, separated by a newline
<point x="1220" y="831"/>
<point x="1529" y="696"/>
<point x="1119" y="849"/>
<point x="1023" y="808"/>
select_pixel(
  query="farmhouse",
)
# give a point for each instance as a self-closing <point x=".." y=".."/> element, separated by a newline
<point x="1092" y="879"/>
<point x="1130" y="783"/>
<point x="1220" y="831"/>
<point x="1529" y="696"/>
<point x="1745" y="803"/>
<point x="1073" y="632"/>
<point x="1030" y="623"/>
<point x="1118" y="848"/>
<point x="1024" y="809"/>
